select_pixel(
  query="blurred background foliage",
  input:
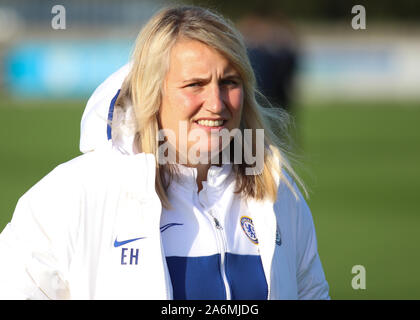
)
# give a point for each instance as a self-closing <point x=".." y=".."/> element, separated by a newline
<point x="320" y="10"/>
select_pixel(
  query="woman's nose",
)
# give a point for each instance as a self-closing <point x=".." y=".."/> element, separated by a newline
<point x="214" y="99"/>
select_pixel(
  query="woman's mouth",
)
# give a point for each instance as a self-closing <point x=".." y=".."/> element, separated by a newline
<point x="210" y="123"/>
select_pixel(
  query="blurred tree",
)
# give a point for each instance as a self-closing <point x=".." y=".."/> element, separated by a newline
<point x="319" y="10"/>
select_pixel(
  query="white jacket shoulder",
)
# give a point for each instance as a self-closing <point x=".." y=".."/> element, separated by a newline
<point x="39" y="241"/>
<point x="44" y="234"/>
<point x="296" y="224"/>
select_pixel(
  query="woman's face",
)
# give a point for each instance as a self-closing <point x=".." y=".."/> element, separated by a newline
<point x="202" y="95"/>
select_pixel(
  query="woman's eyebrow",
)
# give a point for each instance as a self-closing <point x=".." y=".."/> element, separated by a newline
<point x="234" y="76"/>
<point x="197" y="79"/>
<point x="230" y="75"/>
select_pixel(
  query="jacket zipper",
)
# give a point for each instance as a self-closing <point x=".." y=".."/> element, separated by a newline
<point x="221" y="244"/>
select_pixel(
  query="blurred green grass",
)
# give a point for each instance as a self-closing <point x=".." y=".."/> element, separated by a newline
<point x="34" y="138"/>
<point x="361" y="164"/>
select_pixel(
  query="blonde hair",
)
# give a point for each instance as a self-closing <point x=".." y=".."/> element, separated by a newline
<point x="143" y="88"/>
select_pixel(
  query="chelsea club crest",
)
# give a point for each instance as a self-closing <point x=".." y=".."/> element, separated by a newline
<point x="248" y="228"/>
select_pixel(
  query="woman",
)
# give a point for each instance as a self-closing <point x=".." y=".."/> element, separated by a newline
<point x="156" y="208"/>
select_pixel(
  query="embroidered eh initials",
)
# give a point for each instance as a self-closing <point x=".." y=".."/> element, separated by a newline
<point x="134" y="256"/>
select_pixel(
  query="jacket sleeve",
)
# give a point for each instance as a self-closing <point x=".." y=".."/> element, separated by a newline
<point x="310" y="274"/>
<point x="36" y="246"/>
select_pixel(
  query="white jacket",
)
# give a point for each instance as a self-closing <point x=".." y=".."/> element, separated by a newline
<point x="60" y="242"/>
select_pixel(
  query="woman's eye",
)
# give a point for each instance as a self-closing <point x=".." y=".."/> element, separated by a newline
<point x="228" y="82"/>
<point x="194" y="84"/>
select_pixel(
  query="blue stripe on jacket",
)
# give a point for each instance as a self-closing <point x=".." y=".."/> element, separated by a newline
<point x="199" y="278"/>
<point x="111" y="115"/>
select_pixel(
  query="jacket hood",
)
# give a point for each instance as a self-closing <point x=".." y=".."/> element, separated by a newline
<point x="95" y="128"/>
